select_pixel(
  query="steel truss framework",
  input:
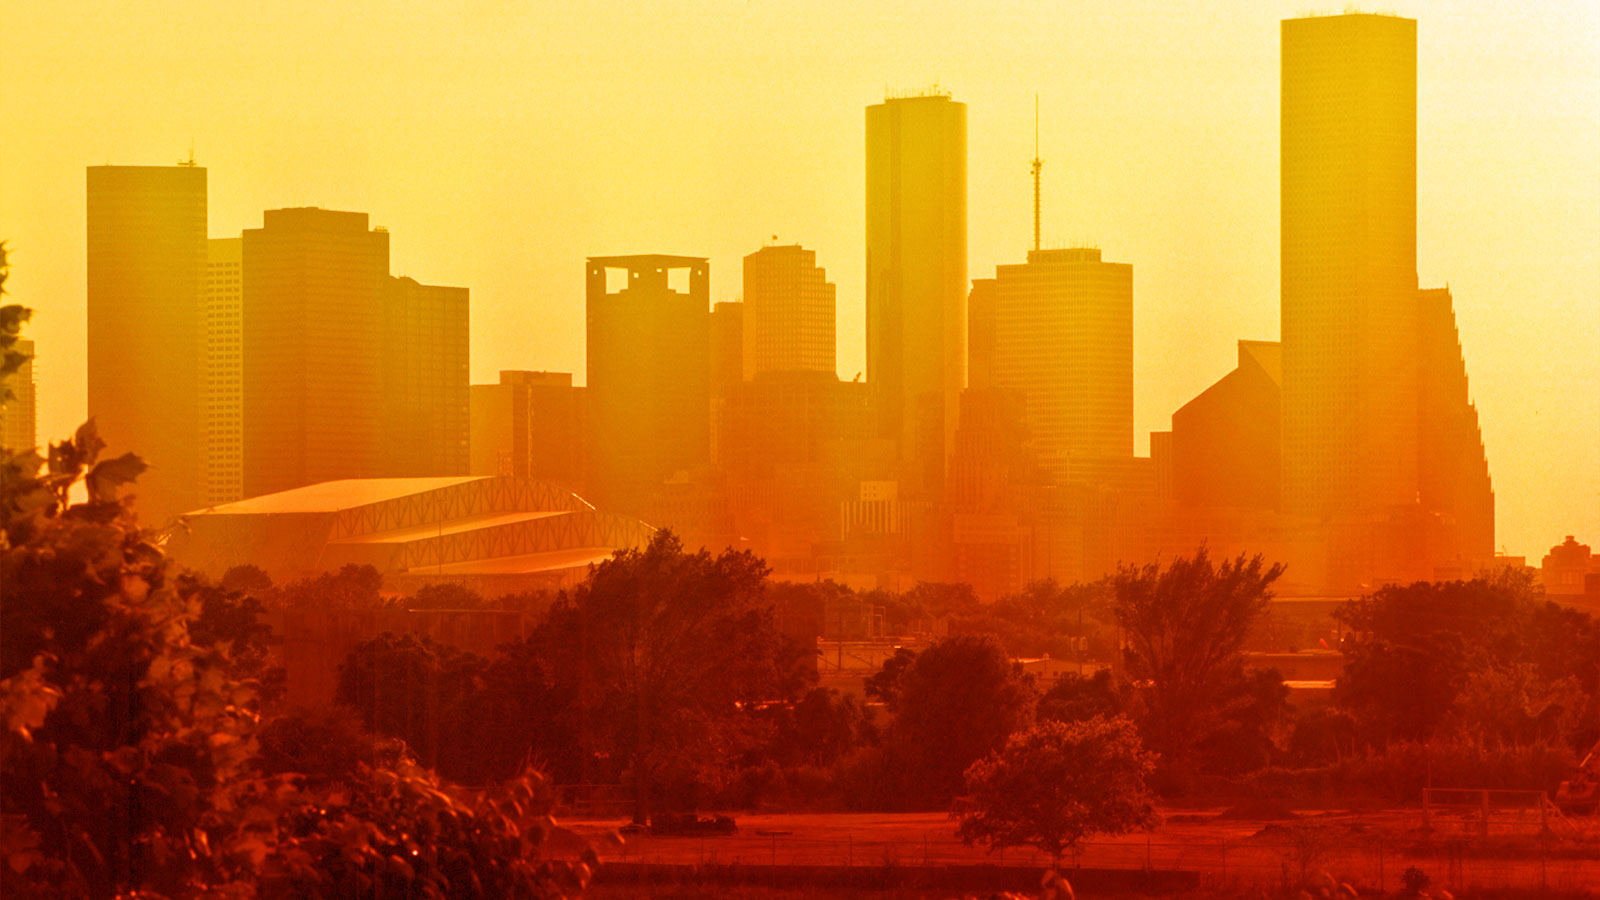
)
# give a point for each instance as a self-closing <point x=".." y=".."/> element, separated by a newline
<point x="292" y="544"/>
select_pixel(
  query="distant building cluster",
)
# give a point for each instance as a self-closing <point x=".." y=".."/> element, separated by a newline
<point x="990" y="441"/>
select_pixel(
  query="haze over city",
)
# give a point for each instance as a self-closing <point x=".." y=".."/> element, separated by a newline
<point x="502" y="451"/>
<point x="501" y="144"/>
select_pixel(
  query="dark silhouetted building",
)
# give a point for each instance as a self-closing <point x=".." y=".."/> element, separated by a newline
<point x="917" y="278"/>
<point x="314" y="296"/>
<point x="146" y="286"/>
<point x="530" y="425"/>
<point x="1566" y="569"/>
<point x="648" y="374"/>
<point x="994" y="480"/>
<point x="727" y="366"/>
<point x="1453" y="470"/>
<point x="1225" y="444"/>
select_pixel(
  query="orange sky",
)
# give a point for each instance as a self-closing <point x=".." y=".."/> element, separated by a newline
<point x="502" y="141"/>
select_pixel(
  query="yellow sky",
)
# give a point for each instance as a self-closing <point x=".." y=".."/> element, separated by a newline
<point x="502" y="141"/>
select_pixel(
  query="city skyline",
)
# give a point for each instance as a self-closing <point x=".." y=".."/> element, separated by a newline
<point x="1540" y="440"/>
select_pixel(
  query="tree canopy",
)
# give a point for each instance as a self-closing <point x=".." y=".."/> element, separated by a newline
<point x="1057" y="783"/>
<point x="959" y="700"/>
<point x="682" y="648"/>
<point x="110" y="703"/>
<point x="1185" y="625"/>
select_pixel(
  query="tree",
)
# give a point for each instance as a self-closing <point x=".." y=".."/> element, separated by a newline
<point x="352" y="587"/>
<point x="959" y="701"/>
<point x="247" y="579"/>
<point x="884" y="684"/>
<point x="1057" y="783"/>
<point x="1045" y="618"/>
<point x="1481" y="659"/>
<point x="1185" y="627"/>
<point x="530" y="708"/>
<point x="444" y="595"/>
<point x="1074" y="698"/>
<point x="682" y="648"/>
<point x="422" y="692"/>
<point x="108" y="706"/>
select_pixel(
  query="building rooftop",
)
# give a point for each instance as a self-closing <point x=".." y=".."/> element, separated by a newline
<point x="648" y="259"/>
<point x="333" y="496"/>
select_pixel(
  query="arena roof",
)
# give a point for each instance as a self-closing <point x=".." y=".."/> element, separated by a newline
<point x="333" y="496"/>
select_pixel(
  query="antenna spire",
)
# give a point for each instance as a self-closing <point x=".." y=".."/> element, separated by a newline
<point x="1037" y="165"/>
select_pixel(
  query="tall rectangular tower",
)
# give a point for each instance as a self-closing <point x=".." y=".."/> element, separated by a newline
<point x="1059" y="331"/>
<point x="146" y="284"/>
<point x="314" y="282"/>
<point x="648" y="374"/>
<point x="222" y="415"/>
<point x="917" y="277"/>
<point x="789" y="315"/>
<point x="1349" y="265"/>
<point x="425" y="379"/>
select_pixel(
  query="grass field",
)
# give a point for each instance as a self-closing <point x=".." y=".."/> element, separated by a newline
<point x="1368" y="849"/>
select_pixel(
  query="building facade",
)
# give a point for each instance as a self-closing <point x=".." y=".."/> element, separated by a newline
<point x="1058" y="330"/>
<point x="531" y="425"/>
<point x="425" y="379"/>
<point x="789" y="314"/>
<point x="222" y="406"/>
<point x="1382" y="456"/>
<point x="146" y="247"/>
<point x="1349" y="265"/>
<point x="916" y="223"/>
<point x="314" y="292"/>
<point x="648" y="370"/>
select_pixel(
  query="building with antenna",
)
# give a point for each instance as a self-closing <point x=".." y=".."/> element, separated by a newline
<point x="1058" y="330"/>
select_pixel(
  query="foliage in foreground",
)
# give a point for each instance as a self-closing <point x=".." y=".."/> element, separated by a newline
<point x="1055" y="784"/>
<point x="129" y="753"/>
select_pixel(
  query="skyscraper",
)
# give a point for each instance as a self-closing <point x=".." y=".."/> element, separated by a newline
<point x="425" y="379"/>
<point x="1349" y="265"/>
<point x="1381" y="446"/>
<point x="222" y="406"/>
<point x="529" y="425"/>
<point x="917" y="277"/>
<point x="314" y="283"/>
<point x="648" y="374"/>
<point x="146" y="281"/>
<point x="19" y="415"/>
<point x="1058" y="330"/>
<point x="1454" y="480"/>
<point x="789" y="317"/>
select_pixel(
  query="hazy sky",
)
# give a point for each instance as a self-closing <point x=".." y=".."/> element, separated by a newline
<point x="502" y="141"/>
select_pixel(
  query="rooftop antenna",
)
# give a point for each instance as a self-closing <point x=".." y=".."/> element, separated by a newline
<point x="190" y="161"/>
<point x="1037" y="165"/>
